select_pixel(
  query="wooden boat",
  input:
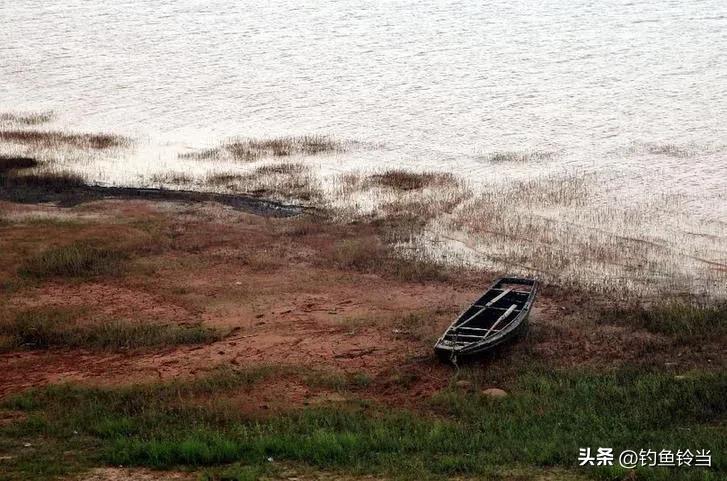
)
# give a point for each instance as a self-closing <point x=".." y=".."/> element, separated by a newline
<point x="500" y="315"/>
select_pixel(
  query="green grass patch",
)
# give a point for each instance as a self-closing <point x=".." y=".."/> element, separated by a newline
<point x="79" y="259"/>
<point x="38" y="459"/>
<point x="239" y="472"/>
<point x="44" y="328"/>
<point x="546" y="418"/>
<point x="677" y="319"/>
<point x="338" y="381"/>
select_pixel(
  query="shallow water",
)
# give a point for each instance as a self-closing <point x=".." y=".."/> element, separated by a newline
<point x="633" y="90"/>
<point x="442" y="79"/>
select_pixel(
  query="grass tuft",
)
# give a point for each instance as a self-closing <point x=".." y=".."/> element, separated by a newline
<point x="677" y="319"/>
<point x="43" y="328"/>
<point x="337" y="380"/>
<point x="359" y="254"/>
<point x="79" y="259"/>
<point x="239" y="472"/>
<point x="283" y="168"/>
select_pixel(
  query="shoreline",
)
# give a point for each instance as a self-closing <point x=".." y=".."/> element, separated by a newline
<point x="302" y="331"/>
<point x="276" y="320"/>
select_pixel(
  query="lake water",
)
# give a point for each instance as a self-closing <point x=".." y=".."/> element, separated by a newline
<point x="633" y="89"/>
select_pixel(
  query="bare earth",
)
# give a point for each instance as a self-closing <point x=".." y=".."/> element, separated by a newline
<point x="271" y="285"/>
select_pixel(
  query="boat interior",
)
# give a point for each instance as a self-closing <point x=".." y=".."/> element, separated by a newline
<point x="490" y="313"/>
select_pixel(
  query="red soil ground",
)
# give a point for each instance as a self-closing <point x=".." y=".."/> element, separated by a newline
<point x="274" y="287"/>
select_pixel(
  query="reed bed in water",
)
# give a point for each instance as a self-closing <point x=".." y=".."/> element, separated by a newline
<point x="54" y="180"/>
<point x="53" y="139"/>
<point x="13" y="162"/>
<point x="26" y="118"/>
<point x="518" y="156"/>
<point x="173" y="177"/>
<point x="405" y="199"/>
<point x="250" y="149"/>
<point x="563" y="228"/>
<point x="566" y="231"/>
<point x="281" y="181"/>
<point x="669" y="149"/>
<point x="403" y="180"/>
<point x="19" y="138"/>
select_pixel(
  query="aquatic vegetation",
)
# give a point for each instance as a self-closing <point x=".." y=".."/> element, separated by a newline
<point x="670" y="150"/>
<point x="249" y="149"/>
<point x="407" y="199"/>
<point x="286" y="181"/>
<point x="287" y="168"/>
<point x="564" y="227"/>
<point x="403" y="180"/>
<point x="173" y="177"/>
<point x="26" y="118"/>
<point x="55" y="139"/>
<point x="52" y="180"/>
<point x="552" y="190"/>
<point x="519" y="156"/>
<point x="12" y="162"/>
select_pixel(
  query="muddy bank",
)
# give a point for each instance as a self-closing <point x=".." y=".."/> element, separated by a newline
<point x="67" y="190"/>
<point x="88" y="193"/>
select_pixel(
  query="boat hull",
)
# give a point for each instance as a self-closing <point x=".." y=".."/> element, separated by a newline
<point x="488" y="348"/>
<point x="498" y="317"/>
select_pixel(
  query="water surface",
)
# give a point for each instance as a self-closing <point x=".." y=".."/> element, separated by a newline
<point x="635" y="90"/>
